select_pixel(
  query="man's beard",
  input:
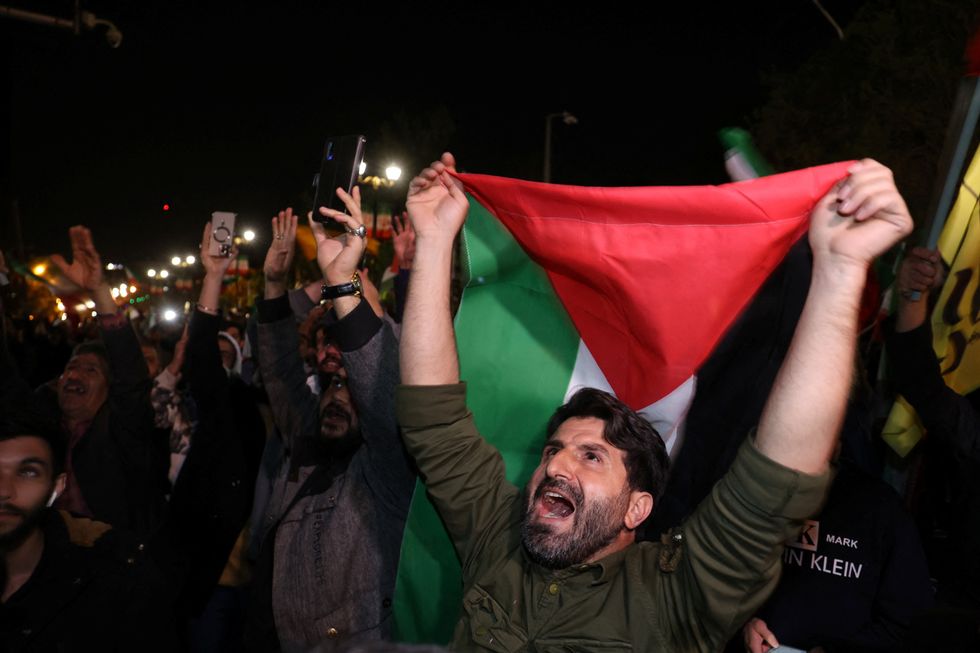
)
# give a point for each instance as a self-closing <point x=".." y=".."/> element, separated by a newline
<point x="337" y="441"/>
<point x="30" y="518"/>
<point x="595" y="525"/>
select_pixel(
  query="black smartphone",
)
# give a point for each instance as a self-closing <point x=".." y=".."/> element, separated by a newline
<point x="339" y="167"/>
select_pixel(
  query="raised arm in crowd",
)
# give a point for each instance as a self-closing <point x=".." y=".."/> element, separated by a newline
<point x="331" y="533"/>
<point x="534" y="564"/>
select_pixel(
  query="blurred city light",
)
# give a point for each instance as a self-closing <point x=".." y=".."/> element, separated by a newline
<point x="175" y="260"/>
<point x="170" y="315"/>
<point x="249" y="235"/>
<point x="393" y="172"/>
<point x="151" y="273"/>
<point x="190" y="260"/>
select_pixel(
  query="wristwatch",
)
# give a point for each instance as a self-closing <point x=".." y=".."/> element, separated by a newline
<point x="352" y="287"/>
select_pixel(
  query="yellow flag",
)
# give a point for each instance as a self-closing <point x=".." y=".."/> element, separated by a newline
<point x="956" y="318"/>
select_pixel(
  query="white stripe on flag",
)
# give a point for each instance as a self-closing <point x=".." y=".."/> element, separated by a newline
<point x="666" y="415"/>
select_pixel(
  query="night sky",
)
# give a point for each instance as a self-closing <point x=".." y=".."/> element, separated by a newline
<point x="212" y="106"/>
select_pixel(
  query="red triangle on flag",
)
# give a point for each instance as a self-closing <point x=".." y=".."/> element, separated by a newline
<point x="653" y="277"/>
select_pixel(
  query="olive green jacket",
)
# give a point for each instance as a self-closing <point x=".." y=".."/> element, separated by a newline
<point x="689" y="593"/>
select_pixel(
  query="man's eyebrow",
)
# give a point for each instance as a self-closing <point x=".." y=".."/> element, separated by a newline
<point x="34" y="460"/>
<point x="554" y="442"/>
<point x="594" y="446"/>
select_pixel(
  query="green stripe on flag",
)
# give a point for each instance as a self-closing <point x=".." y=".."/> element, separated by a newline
<point x="517" y="349"/>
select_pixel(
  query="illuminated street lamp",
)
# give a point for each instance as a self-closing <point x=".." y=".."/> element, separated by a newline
<point x="175" y="260"/>
<point x="393" y="172"/>
<point x="248" y="235"/>
<point x="190" y="260"/>
<point x="170" y="315"/>
<point x="151" y="273"/>
<point x="164" y="274"/>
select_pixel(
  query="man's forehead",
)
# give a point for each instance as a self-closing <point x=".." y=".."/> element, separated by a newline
<point x="85" y="359"/>
<point x="580" y="427"/>
<point x="22" y="448"/>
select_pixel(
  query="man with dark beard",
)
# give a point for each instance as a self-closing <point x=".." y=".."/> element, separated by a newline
<point x="559" y="569"/>
<point x="68" y="583"/>
<point x="332" y="529"/>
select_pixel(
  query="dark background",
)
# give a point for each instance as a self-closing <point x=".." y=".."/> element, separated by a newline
<point x="220" y="106"/>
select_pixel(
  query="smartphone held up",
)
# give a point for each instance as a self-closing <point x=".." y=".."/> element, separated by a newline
<point x="222" y="233"/>
<point x="339" y="168"/>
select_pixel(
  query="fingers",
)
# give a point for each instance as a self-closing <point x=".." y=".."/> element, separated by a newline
<point x="284" y="227"/>
<point x="432" y="174"/>
<point x="448" y="160"/>
<point x="60" y="261"/>
<point x="319" y="233"/>
<point x="206" y="240"/>
<point x="352" y="202"/>
<point x="348" y="221"/>
<point x="925" y="254"/>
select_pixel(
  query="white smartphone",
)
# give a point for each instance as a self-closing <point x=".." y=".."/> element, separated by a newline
<point x="222" y="233"/>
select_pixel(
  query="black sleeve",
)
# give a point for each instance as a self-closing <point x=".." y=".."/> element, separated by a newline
<point x="916" y="373"/>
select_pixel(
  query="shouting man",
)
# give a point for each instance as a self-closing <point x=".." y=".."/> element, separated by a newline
<point x="559" y="566"/>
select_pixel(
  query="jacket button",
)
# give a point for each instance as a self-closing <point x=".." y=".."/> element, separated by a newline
<point x="332" y="633"/>
<point x="553" y="589"/>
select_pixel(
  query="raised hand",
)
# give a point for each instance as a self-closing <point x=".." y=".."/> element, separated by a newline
<point x="282" y="249"/>
<point x="921" y="271"/>
<point x="85" y="270"/>
<point x="860" y="219"/>
<point x="370" y="293"/>
<point x="338" y="258"/>
<point x="404" y="241"/>
<point x="436" y="203"/>
<point x="177" y="362"/>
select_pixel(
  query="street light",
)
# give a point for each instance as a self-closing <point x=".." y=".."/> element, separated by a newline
<point x="393" y="172"/>
<point x="175" y="260"/>
<point x="151" y="273"/>
<point x="164" y="274"/>
<point x="190" y="259"/>
<point x="170" y="315"/>
<point x="566" y="118"/>
<point x="249" y="235"/>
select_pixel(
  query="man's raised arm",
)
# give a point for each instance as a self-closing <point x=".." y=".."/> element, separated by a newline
<point x="860" y="219"/>
<point x="437" y="207"/>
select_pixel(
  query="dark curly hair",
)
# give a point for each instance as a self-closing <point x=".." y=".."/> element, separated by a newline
<point x="646" y="457"/>
<point x="21" y="416"/>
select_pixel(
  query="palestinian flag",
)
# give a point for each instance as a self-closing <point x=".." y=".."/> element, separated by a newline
<point x="625" y="289"/>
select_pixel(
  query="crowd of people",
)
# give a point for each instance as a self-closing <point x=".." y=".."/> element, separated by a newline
<point x="245" y="487"/>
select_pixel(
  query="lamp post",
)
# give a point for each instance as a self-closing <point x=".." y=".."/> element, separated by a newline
<point x="568" y="119"/>
<point x="392" y="174"/>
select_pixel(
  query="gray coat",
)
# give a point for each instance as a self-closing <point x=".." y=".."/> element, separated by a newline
<point x="336" y="550"/>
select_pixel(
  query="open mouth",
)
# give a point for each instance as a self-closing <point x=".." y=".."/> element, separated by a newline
<point x="73" y="388"/>
<point x="555" y="502"/>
